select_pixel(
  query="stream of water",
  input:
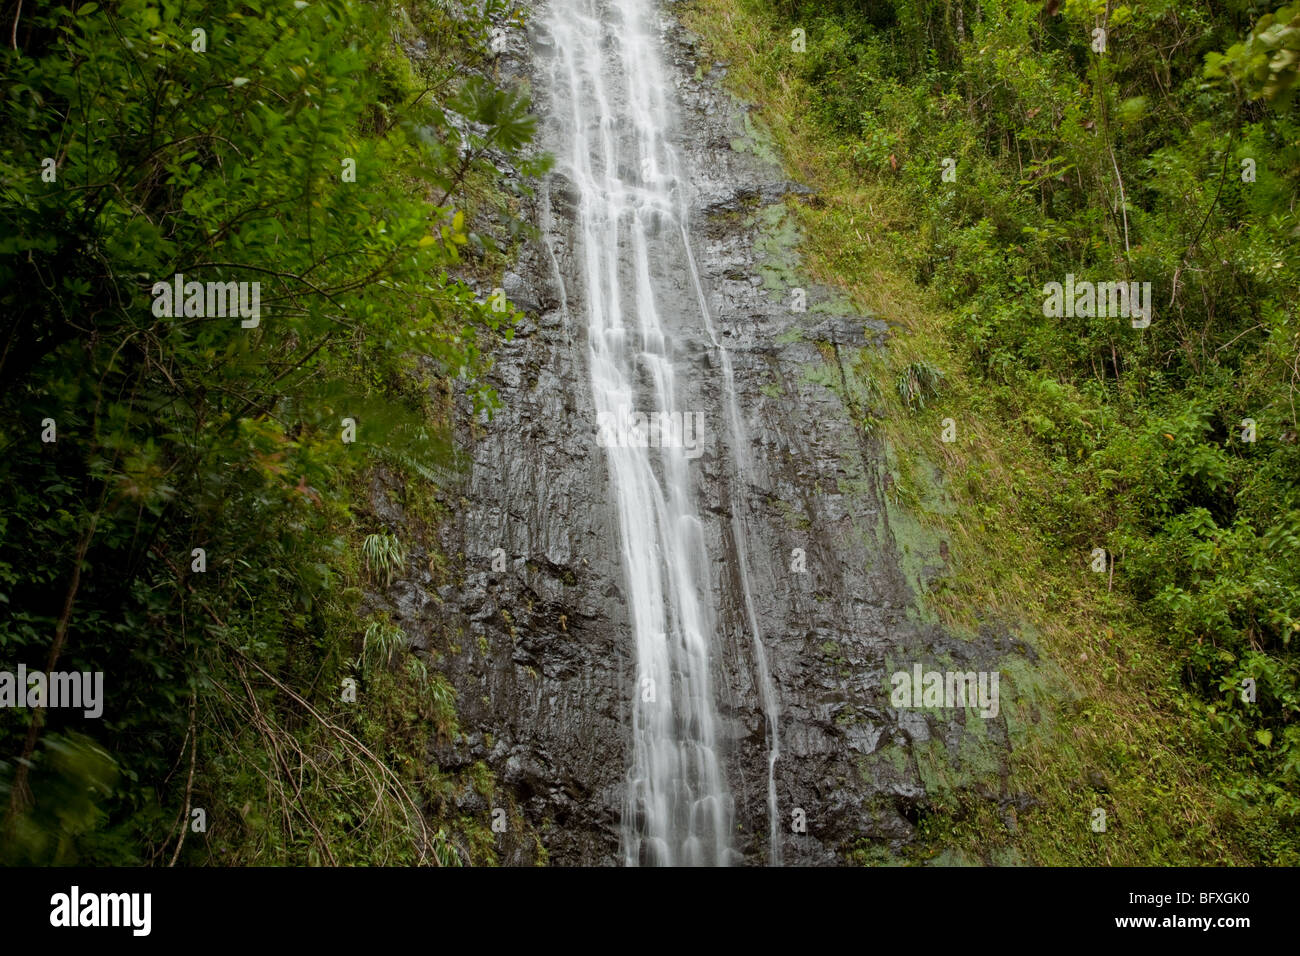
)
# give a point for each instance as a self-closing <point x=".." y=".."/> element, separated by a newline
<point x="611" y="118"/>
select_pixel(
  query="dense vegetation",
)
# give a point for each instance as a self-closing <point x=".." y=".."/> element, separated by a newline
<point x="337" y="152"/>
<point x="969" y="152"/>
<point x="184" y="499"/>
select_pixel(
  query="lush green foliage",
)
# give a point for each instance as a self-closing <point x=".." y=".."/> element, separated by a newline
<point x="218" y="139"/>
<point x="1169" y="155"/>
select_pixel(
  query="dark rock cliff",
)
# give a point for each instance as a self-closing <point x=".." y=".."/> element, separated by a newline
<point x="534" y="635"/>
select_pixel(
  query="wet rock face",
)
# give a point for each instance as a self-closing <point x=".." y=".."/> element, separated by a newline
<point x="533" y="633"/>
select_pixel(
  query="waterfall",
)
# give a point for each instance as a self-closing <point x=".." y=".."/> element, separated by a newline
<point x="611" y="115"/>
<point x="743" y="466"/>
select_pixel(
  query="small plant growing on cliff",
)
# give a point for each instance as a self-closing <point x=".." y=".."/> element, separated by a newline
<point x="379" y="645"/>
<point x="919" y="381"/>
<point x="383" y="554"/>
<point x="869" y="400"/>
<point x="441" y="699"/>
<point x="444" y="851"/>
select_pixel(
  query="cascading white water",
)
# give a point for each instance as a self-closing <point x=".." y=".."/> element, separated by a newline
<point x="613" y="116"/>
<point x="739" y="533"/>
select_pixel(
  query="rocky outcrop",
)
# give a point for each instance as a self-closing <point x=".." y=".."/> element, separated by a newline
<point x="533" y="630"/>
